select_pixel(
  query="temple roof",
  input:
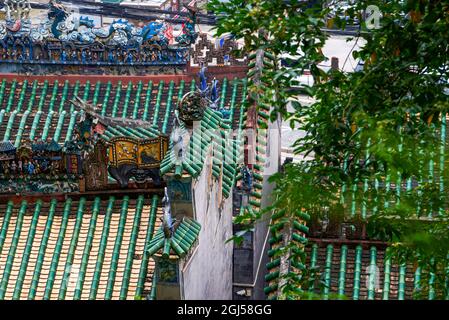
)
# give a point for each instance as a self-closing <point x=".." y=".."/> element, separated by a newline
<point x="40" y="243"/>
<point x="97" y="247"/>
<point x="359" y="272"/>
<point x="42" y="110"/>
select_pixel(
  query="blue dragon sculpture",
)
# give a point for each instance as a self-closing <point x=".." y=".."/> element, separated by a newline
<point x="154" y="31"/>
<point x="123" y="31"/>
<point x="211" y="94"/>
<point x="204" y="88"/>
<point x="57" y="13"/>
<point x="120" y="32"/>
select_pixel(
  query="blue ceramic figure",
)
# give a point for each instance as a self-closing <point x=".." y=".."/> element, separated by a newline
<point x="30" y="168"/>
<point x="214" y="92"/>
<point x="225" y="113"/>
<point x="129" y="57"/>
<point x="110" y="57"/>
<point x="83" y="56"/>
<point x="63" y="56"/>
<point x="44" y="165"/>
<point x="203" y="80"/>
<point x="179" y="56"/>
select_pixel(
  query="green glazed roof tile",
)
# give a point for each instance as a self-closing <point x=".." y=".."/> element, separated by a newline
<point x="180" y="242"/>
<point x="66" y="246"/>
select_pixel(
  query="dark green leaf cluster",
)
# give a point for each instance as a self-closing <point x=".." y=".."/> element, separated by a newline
<point x="377" y="137"/>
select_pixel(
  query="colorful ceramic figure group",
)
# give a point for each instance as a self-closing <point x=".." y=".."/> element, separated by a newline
<point x="64" y="38"/>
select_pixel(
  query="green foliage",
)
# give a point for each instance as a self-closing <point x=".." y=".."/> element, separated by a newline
<point x="277" y="27"/>
<point x="367" y="132"/>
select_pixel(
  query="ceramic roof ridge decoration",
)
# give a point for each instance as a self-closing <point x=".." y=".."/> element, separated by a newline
<point x="247" y="178"/>
<point x="67" y="39"/>
<point x="17" y="9"/>
<point x="192" y="105"/>
<point x="137" y="156"/>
